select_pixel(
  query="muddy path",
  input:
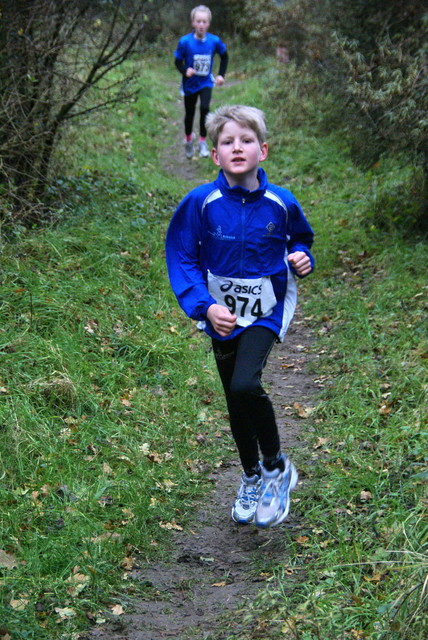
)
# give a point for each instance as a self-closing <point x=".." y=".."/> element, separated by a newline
<point x="216" y="566"/>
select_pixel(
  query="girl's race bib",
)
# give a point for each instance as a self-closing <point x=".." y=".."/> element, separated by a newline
<point x="248" y="298"/>
<point x="202" y="64"/>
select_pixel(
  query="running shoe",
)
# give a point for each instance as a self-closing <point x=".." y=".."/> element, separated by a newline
<point x="188" y="148"/>
<point x="274" y="501"/>
<point x="245" y="505"/>
<point x="203" y="149"/>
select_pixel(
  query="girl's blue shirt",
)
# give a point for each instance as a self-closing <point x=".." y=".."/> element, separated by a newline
<point x="199" y="54"/>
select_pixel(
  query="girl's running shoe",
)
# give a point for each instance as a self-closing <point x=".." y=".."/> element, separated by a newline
<point x="204" y="152"/>
<point x="188" y="147"/>
<point x="245" y="505"/>
<point x="274" y="502"/>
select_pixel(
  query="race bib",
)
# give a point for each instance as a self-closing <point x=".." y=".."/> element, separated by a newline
<point x="201" y="64"/>
<point x="248" y="298"/>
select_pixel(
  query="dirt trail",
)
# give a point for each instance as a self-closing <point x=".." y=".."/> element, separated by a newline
<point x="216" y="566"/>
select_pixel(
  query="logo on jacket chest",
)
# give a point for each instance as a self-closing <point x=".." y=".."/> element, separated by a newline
<point x="219" y="235"/>
<point x="270" y="228"/>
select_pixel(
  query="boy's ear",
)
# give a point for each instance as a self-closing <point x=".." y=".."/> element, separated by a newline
<point x="264" y="151"/>
<point x="214" y="156"/>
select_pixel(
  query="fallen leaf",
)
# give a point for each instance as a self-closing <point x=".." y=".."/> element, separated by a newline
<point x="302" y="539"/>
<point x="107" y="469"/>
<point x="128" y="563"/>
<point x="166" y="485"/>
<point x="128" y="513"/>
<point x="302" y="412"/>
<point x="91" y="326"/>
<point x="105" y="501"/>
<point x="171" y="526"/>
<point x="64" y="613"/>
<point x="154" y="457"/>
<point x="320" y="443"/>
<point x="376" y="577"/>
<point x="7" y="560"/>
<point x="365" y="496"/>
<point x="77" y="581"/>
<point x="385" y="409"/>
<point x="325" y="543"/>
<point x="117" y="610"/>
<point x="289" y="628"/>
<point x="219" y="584"/>
<point x="19" y="603"/>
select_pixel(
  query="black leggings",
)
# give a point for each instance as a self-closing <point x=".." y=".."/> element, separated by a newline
<point x="190" y="108"/>
<point x="240" y="362"/>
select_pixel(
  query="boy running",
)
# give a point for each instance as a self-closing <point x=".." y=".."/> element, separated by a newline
<point x="233" y="247"/>
<point x="194" y="59"/>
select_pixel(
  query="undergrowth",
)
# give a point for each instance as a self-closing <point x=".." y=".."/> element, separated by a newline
<point x="109" y="421"/>
<point x="358" y="559"/>
<point x="110" y="409"/>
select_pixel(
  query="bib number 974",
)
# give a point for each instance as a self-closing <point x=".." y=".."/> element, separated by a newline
<point x="239" y="306"/>
<point x="247" y="298"/>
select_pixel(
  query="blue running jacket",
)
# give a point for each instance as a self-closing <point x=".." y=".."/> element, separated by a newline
<point x="240" y="237"/>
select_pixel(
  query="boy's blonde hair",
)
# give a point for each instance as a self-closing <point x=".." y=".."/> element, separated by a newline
<point x="200" y="7"/>
<point x="250" y="117"/>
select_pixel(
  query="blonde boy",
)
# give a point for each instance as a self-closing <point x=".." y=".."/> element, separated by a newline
<point x="233" y="248"/>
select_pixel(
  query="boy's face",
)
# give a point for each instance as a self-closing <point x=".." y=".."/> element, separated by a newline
<point x="201" y="23"/>
<point x="238" y="152"/>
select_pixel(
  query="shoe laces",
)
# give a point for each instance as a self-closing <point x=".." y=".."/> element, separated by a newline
<point x="249" y="492"/>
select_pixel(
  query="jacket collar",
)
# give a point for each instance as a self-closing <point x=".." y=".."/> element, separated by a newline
<point x="237" y="193"/>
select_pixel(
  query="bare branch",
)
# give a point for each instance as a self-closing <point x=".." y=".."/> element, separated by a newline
<point x="53" y="55"/>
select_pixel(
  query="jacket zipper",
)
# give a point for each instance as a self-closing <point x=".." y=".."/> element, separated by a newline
<point x="243" y="202"/>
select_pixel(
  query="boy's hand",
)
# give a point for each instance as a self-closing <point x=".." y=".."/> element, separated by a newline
<point x="301" y="262"/>
<point x="219" y="80"/>
<point x="190" y="72"/>
<point x="221" y="319"/>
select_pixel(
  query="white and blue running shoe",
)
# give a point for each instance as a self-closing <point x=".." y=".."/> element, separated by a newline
<point x="274" y="502"/>
<point x="245" y="505"/>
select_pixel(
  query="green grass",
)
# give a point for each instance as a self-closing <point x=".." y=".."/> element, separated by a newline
<point x="358" y="563"/>
<point x="103" y="394"/>
<point x="111" y="411"/>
